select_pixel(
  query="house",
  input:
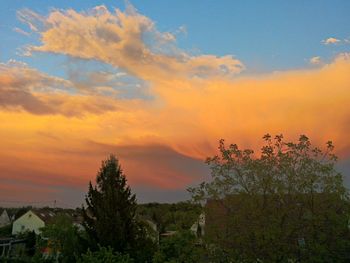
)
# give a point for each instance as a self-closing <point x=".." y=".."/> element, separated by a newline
<point x="33" y="220"/>
<point x="4" y="218"/>
<point x="168" y="233"/>
<point x="198" y="227"/>
<point x="151" y="230"/>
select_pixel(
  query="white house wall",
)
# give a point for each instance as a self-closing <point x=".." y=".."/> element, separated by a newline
<point x="27" y="222"/>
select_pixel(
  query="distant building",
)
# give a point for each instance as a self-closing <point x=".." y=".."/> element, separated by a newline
<point x="4" y="218"/>
<point x="168" y="233"/>
<point x="152" y="230"/>
<point x="198" y="227"/>
<point x="32" y="221"/>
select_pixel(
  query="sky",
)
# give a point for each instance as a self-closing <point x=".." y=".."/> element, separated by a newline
<point x="158" y="84"/>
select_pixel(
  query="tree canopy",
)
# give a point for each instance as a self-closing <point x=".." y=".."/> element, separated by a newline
<point x="287" y="203"/>
<point x="64" y="239"/>
<point x="109" y="217"/>
<point x="105" y="255"/>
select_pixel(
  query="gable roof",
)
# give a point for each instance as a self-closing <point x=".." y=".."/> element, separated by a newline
<point x="3" y="213"/>
<point x="46" y="215"/>
<point x="4" y="218"/>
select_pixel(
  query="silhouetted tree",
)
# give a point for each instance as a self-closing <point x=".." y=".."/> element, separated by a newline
<point x="105" y="255"/>
<point x="109" y="217"/>
<point x="287" y="203"/>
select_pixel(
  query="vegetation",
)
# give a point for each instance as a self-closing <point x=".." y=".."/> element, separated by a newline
<point x="110" y="216"/>
<point x="62" y="239"/>
<point x="181" y="247"/>
<point x="289" y="203"/>
<point x="5" y="231"/>
<point x="106" y="255"/>
<point x="170" y="217"/>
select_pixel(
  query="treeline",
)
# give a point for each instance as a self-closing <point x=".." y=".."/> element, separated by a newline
<point x="286" y="204"/>
<point x="170" y="217"/>
<point x="112" y="227"/>
<point x="167" y="216"/>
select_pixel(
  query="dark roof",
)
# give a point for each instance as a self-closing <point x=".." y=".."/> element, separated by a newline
<point x="49" y="215"/>
<point x="44" y="214"/>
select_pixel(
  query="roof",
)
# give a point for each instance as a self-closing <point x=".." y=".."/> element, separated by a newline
<point x="4" y="218"/>
<point x="44" y="214"/>
<point x="4" y="212"/>
<point x="9" y="212"/>
<point x="168" y="233"/>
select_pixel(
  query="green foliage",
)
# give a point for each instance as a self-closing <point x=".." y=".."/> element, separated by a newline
<point x="144" y="246"/>
<point x="63" y="238"/>
<point x="182" y="247"/>
<point x="287" y="203"/>
<point x="31" y="243"/>
<point x="6" y="231"/>
<point x="109" y="217"/>
<point x="170" y="217"/>
<point x="104" y="255"/>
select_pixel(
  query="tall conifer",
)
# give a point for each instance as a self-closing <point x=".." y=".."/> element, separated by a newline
<point x="109" y="217"/>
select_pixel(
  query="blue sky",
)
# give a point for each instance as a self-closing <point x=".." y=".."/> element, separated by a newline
<point x="264" y="35"/>
<point x="161" y="97"/>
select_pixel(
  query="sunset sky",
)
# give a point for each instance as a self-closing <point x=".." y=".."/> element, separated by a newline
<point x="158" y="83"/>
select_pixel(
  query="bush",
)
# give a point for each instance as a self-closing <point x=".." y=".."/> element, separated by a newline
<point x="104" y="255"/>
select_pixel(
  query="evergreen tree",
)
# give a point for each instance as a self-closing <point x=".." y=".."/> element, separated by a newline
<point x="109" y="217"/>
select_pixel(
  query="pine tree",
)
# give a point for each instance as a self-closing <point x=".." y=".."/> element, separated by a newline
<point x="109" y="217"/>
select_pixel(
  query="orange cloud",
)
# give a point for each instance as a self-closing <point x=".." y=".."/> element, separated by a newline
<point x="120" y="39"/>
<point x="331" y="41"/>
<point x="28" y="89"/>
<point x="188" y="116"/>
<point x="196" y="100"/>
<point x="316" y="60"/>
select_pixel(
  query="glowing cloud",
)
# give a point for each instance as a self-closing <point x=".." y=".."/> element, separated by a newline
<point x="63" y="128"/>
<point x="331" y="41"/>
<point x="127" y="40"/>
<point x="316" y="60"/>
<point x="25" y="88"/>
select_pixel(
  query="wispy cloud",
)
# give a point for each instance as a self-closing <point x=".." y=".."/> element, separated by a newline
<point x="195" y="101"/>
<point x="330" y="41"/>
<point x="127" y="40"/>
<point x="21" y="31"/>
<point x="24" y="88"/>
<point x="316" y="60"/>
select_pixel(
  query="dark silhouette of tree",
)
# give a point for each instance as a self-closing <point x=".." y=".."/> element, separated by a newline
<point x="109" y="216"/>
<point x="106" y="255"/>
<point x="287" y="203"/>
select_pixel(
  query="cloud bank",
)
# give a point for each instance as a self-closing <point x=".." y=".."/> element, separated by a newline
<point x="68" y="126"/>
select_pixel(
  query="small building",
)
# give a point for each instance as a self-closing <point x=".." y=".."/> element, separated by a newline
<point x="198" y="227"/>
<point x="168" y="233"/>
<point x="33" y="220"/>
<point x="4" y="218"/>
